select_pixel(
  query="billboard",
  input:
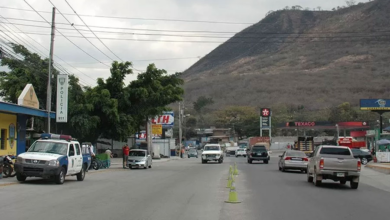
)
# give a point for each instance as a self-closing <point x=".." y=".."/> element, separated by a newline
<point x="375" y="104"/>
<point x="166" y="120"/>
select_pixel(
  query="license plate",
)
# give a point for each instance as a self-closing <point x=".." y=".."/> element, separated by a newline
<point x="340" y="174"/>
<point x="296" y="159"/>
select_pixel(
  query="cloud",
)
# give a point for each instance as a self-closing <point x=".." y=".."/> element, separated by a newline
<point x="248" y="11"/>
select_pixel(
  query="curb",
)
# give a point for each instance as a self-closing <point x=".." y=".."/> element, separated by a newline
<point x="382" y="169"/>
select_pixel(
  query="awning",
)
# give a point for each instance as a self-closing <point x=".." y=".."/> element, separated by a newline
<point x="22" y="110"/>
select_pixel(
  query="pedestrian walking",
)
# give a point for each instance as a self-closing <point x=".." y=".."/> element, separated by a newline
<point x="182" y="152"/>
<point x="125" y="151"/>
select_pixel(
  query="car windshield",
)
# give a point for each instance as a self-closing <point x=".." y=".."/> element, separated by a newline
<point x="240" y="150"/>
<point x="137" y="153"/>
<point x="49" y="147"/>
<point x="295" y="154"/>
<point x="192" y="151"/>
<point x="335" y="151"/>
<point x="208" y="148"/>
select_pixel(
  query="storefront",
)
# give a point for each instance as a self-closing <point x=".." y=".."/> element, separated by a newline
<point x="13" y="121"/>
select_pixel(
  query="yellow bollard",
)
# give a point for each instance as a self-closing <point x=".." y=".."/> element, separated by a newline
<point x="233" y="194"/>
<point x="235" y="172"/>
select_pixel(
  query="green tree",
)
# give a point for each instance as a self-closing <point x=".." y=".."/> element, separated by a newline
<point x="152" y="92"/>
<point x="31" y="69"/>
<point x="343" y="112"/>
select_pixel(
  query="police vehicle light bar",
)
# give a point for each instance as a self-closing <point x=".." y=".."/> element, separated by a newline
<point x="56" y="136"/>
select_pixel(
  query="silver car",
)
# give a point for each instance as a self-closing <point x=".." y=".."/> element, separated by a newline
<point x="139" y="158"/>
<point x="293" y="160"/>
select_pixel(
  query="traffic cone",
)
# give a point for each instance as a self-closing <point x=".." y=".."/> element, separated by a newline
<point x="233" y="194"/>
<point x="230" y="180"/>
<point x="230" y="171"/>
<point x="235" y="169"/>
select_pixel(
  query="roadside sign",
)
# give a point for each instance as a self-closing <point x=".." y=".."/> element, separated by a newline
<point x="375" y="104"/>
<point x="157" y="129"/>
<point x="167" y="119"/>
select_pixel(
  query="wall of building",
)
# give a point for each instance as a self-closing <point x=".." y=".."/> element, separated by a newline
<point x="9" y="143"/>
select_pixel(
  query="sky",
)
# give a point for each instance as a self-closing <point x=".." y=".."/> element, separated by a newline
<point x="128" y="44"/>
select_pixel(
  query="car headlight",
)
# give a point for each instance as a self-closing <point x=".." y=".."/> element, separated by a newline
<point x="19" y="160"/>
<point x="54" y="163"/>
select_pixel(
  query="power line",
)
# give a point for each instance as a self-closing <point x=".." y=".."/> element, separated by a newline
<point x="205" y="31"/>
<point x="145" y="19"/>
<point x="66" y="37"/>
<point x="92" y="31"/>
<point x="63" y="69"/>
<point x="261" y="40"/>
<point x="300" y="35"/>
<point x="81" y="33"/>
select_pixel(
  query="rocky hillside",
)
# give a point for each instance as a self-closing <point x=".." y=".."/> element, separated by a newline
<point x="311" y="58"/>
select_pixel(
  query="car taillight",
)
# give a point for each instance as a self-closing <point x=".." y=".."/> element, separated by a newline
<point x="359" y="165"/>
<point x="322" y="164"/>
<point x="305" y="159"/>
<point x="287" y="158"/>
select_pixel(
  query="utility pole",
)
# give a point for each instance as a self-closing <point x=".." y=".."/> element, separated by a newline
<point x="48" y="98"/>
<point x="180" y="131"/>
<point x="149" y="135"/>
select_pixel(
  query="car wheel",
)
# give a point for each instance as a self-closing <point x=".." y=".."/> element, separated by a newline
<point x="203" y="161"/>
<point x="130" y="167"/>
<point x="343" y="182"/>
<point x="354" y="185"/>
<point x="60" y="178"/>
<point x="20" y="177"/>
<point x="283" y="169"/>
<point x="249" y="161"/>
<point x="309" y="178"/>
<point x="280" y="169"/>
<point x="150" y="166"/>
<point x="188" y="156"/>
<point x="81" y="175"/>
<point x="265" y="161"/>
<point x="316" y="182"/>
<point x="364" y="161"/>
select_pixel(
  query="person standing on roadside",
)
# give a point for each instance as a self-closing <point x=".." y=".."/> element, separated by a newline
<point x="125" y="150"/>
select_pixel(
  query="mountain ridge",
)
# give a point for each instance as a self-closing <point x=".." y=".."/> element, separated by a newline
<point x="313" y="58"/>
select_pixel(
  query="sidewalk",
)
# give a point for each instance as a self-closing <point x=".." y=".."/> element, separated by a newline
<point x="380" y="167"/>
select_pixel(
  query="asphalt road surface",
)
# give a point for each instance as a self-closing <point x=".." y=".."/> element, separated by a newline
<point x="186" y="189"/>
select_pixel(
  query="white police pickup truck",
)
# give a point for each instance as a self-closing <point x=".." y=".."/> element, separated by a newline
<point x="53" y="157"/>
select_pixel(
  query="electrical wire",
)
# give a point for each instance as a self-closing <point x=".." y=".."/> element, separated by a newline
<point x="66" y="37"/>
<point x="92" y="31"/>
<point x="81" y="33"/>
<point x="63" y="69"/>
<point x="145" y="19"/>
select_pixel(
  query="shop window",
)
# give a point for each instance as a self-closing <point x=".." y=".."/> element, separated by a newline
<point x="3" y="139"/>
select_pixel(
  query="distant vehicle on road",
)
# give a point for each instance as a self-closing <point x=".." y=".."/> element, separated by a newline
<point x="336" y="163"/>
<point x="212" y="152"/>
<point x="293" y="160"/>
<point x="258" y="152"/>
<point x="192" y="153"/>
<point x="362" y="155"/>
<point x="240" y="152"/>
<point x="231" y="151"/>
<point x="139" y="158"/>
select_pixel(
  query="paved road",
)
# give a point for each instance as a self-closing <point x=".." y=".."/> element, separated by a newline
<point x="187" y="189"/>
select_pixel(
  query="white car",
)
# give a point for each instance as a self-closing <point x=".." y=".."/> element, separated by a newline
<point x="240" y="152"/>
<point x="212" y="152"/>
<point x="139" y="158"/>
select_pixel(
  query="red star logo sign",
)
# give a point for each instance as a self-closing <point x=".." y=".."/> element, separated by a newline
<point x="265" y="112"/>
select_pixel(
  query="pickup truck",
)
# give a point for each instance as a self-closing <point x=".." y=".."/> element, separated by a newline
<point x="212" y="152"/>
<point x="53" y="157"/>
<point x="333" y="162"/>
